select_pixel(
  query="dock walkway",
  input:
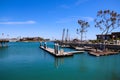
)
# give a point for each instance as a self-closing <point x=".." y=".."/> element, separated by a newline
<point x="102" y="53"/>
<point x="60" y="53"/>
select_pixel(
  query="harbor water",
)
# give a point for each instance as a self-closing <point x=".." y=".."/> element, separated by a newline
<point x="26" y="61"/>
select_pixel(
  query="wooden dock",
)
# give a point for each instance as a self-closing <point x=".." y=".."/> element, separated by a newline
<point x="3" y="42"/>
<point x="60" y="53"/>
<point x="103" y="53"/>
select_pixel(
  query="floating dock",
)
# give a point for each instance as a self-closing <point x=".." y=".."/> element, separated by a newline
<point x="103" y="53"/>
<point x="60" y="53"/>
<point x="3" y="42"/>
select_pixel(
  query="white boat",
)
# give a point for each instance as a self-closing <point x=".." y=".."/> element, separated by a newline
<point x="79" y="48"/>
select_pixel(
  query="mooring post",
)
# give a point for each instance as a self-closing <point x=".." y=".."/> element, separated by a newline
<point x="40" y="44"/>
<point x="55" y="46"/>
<point x="58" y="48"/>
<point x="45" y="45"/>
<point x="0" y="44"/>
<point x="4" y="43"/>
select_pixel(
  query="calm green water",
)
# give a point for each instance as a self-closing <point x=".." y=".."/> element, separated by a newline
<point x="26" y="61"/>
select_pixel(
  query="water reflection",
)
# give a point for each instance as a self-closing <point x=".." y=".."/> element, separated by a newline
<point x="44" y="54"/>
<point x="82" y="64"/>
<point x="58" y="61"/>
<point x="2" y="53"/>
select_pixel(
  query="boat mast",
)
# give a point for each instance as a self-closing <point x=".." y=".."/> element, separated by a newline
<point x="63" y="35"/>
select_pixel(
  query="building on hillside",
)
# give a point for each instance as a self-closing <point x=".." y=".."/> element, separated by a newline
<point x="113" y="35"/>
<point x="116" y="35"/>
<point x="104" y="37"/>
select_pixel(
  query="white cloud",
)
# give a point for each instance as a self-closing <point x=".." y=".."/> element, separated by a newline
<point x="76" y="3"/>
<point x="74" y="19"/>
<point x="25" y="22"/>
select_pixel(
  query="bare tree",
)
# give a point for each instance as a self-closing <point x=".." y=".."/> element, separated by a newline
<point x="107" y="21"/>
<point x="83" y="26"/>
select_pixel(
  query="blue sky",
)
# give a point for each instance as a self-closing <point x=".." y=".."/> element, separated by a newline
<point x="47" y="18"/>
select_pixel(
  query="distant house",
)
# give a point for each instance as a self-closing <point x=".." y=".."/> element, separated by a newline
<point x="114" y="35"/>
<point x="104" y="37"/>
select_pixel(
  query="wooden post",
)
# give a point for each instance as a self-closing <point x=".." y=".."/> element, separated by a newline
<point x="0" y="44"/>
<point x="55" y="48"/>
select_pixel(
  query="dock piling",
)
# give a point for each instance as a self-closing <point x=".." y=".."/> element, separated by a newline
<point x="3" y="42"/>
